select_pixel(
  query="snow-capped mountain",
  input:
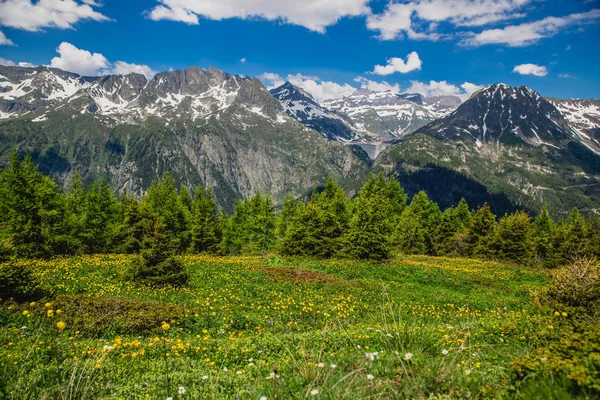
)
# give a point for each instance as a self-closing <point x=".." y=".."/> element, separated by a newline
<point x="302" y="106"/>
<point x="383" y="116"/>
<point x="583" y="115"/>
<point x="188" y="95"/>
<point x="509" y="115"/>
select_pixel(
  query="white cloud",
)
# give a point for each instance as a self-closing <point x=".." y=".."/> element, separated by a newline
<point x="418" y="19"/>
<point x="566" y="76"/>
<point x="243" y="61"/>
<point x="86" y="63"/>
<point x="530" y="32"/>
<point x="382" y="86"/>
<point x="315" y="15"/>
<point x="320" y="90"/>
<point x="4" y="41"/>
<point x="530" y="69"/>
<point x="79" y="61"/>
<point x="395" y="64"/>
<point x="443" y="88"/>
<point x="30" y="16"/>
<point x="7" y="63"/>
<point x="123" y="68"/>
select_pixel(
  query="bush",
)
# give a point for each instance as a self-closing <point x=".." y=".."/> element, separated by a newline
<point x="93" y="315"/>
<point x="155" y="271"/>
<point x="577" y="285"/>
<point x="575" y="358"/>
<point x="17" y="283"/>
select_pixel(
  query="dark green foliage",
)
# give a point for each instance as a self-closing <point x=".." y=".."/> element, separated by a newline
<point x="33" y="210"/>
<point x="17" y="283"/>
<point x="97" y="315"/>
<point x="543" y="227"/>
<point x="251" y="228"/>
<point x="481" y="232"/>
<point x="411" y="234"/>
<point x="288" y="210"/>
<point x="100" y="210"/>
<point x="206" y="232"/>
<point x="156" y="265"/>
<point x="576" y="285"/>
<point x="513" y="239"/>
<point x="370" y="227"/>
<point x="164" y="201"/>
<point x="313" y="231"/>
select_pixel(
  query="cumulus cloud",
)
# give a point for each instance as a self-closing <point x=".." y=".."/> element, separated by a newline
<point x="79" y="61"/>
<point x="243" y="61"/>
<point x="382" y="86"/>
<point x="123" y="68"/>
<point x="395" y="64"/>
<point x="85" y="63"/>
<point x="319" y="89"/>
<point x="34" y="16"/>
<point x="418" y="19"/>
<point x="443" y="88"/>
<point x="315" y="15"/>
<point x="531" y="32"/>
<point x="530" y="69"/>
<point x="4" y="41"/>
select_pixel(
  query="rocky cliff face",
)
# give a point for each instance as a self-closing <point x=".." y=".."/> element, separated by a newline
<point x="205" y="126"/>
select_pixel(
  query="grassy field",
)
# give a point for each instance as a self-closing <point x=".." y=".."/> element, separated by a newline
<point x="417" y="327"/>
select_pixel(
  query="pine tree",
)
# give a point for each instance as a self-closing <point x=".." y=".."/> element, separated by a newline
<point x="463" y="216"/>
<point x="445" y="236"/>
<point x="205" y="226"/>
<point x="396" y="200"/>
<point x="163" y="200"/>
<point x="75" y="214"/>
<point x="100" y="207"/>
<point x="370" y="227"/>
<point x="334" y="200"/>
<point x="262" y="223"/>
<point x="286" y="214"/>
<point x="513" y="238"/>
<point x="481" y="232"/>
<point x="542" y="234"/>
<point x="410" y="236"/>
<point x="430" y="217"/>
<point x="313" y="231"/>
<point x="33" y="210"/>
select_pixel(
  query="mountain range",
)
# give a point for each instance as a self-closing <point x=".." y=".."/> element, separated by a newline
<point x="507" y="146"/>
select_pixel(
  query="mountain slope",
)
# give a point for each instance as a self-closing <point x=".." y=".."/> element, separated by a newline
<point x="507" y="146"/>
<point x="300" y="105"/>
<point x="205" y="126"/>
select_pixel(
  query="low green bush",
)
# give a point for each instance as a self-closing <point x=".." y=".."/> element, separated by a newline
<point x="18" y="283"/>
<point x="577" y="285"/>
<point x="94" y="315"/>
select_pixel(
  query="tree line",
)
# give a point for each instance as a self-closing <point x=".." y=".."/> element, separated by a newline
<point x="38" y="219"/>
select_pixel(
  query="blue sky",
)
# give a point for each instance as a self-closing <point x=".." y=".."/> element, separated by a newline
<point x="329" y="47"/>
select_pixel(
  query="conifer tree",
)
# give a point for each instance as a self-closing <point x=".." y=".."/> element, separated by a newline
<point x="513" y="238"/>
<point x="481" y="232"/>
<point x="410" y="236"/>
<point x="396" y="200"/>
<point x="205" y="226"/>
<point x="100" y="207"/>
<point x="285" y="216"/>
<point x="262" y="223"/>
<point x="334" y="200"/>
<point x="542" y="234"/>
<point x="430" y="217"/>
<point x="33" y="210"/>
<point x="163" y="200"/>
<point x="370" y="227"/>
<point x="463" y="216"/>
<point x="75" y="204"/>
<point x="313" y="231"/>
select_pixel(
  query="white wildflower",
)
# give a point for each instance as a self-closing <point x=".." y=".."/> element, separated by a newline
<point x="370" y="377"/>
<point x="181" y="390"/>
<point x="445" y="352"/>
<point x="408" y="356"/>
<point x="321" y="365"/>
<point x="314" y="392"/>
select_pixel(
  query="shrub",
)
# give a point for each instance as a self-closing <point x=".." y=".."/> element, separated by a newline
<point x="17" y="283"/>
<point x="574" y="358"/>
<point x="577" y="285"/>
<point x="101" y="314"/>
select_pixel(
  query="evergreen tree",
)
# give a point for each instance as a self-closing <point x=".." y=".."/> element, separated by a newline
<point x="481" y="232"/>
<point x="288" y="211"/>
<point x="410" y="236"/>
<point x="430" y="217"/>
<point x="334" y="200"/>
<point x="513" y="238"/>
<point x="185" y="199"/>
<point x="262" y="223"/>
<point x="463" y="216"/>
<point x="205" y="226"/>
<point x="370" y="227"/>
<point x="163" y="200"/>
<point x="445" y="236"/>
<point x="396" y="200"/>
<point x="542" y="235"/>
<point x="75" y="214"/>
<point x="313" y="231"/>
<point x="100" y="208"/>
<point x="33" y="210"/>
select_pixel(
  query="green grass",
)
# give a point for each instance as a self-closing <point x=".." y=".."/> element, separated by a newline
<point x="239" y="317"/>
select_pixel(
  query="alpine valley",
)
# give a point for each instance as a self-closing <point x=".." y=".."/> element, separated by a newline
<point x="507" y="146"/>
